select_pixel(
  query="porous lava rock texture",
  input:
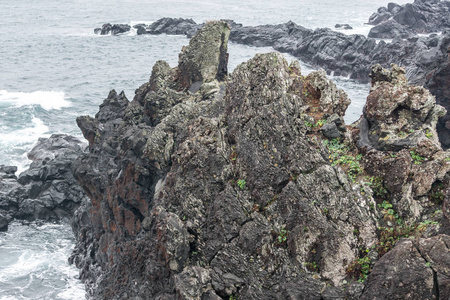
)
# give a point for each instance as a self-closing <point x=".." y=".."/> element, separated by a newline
<point x="216" y="186"/>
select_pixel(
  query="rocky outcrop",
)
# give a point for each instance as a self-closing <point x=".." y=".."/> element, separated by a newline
<point x="424" y="58"/>
<point x="115" y="29"/>
<point x="250" y="185"/>
<point x="397" y="130"/>
<point x="207" y="194"/>
<point x="422" y="16"/>
<point x="47" y="190"/>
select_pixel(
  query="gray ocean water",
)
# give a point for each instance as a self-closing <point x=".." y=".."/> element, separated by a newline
<point x="53" y="68"/>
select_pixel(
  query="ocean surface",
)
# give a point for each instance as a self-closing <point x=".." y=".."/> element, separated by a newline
<point x="53" y="68"/>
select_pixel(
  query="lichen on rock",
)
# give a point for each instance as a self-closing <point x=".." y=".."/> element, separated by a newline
<point x="202" y="188"/>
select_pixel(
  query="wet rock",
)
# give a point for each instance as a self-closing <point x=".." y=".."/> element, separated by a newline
<point x="115" y="29"/>
<point x="8" y="172"/>
<point x="343" y="26"/>
<point x="47" y="190"/>
<point x="177" y="26"/>
<point x="422" y="16"/>
<point x="3" y="223"/>
<point x="389" y="30"/>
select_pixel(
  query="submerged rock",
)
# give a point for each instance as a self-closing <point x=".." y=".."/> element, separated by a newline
<point x="343" y="26"/>
<point x="115" y="29"/>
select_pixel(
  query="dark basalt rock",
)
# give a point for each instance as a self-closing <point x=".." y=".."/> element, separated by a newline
<point x="115" y="29"/>
<point x="47" y="190"/>
<point x="343" y="26"/>
<point x="422" y="16"/>
<point x="389" y="30"/>
<point x="189" y="196"/>
<point x="3" y="223"/>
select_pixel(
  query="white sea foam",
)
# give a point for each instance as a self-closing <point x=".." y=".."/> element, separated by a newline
<point x="46" y="99"/>
<point x="36" y="129"/>
<point x="37" y="266"/>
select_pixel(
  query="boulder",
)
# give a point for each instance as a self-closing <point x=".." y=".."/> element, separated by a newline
<point x="47" y="190"/>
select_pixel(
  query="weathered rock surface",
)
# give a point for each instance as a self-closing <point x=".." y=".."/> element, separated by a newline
<point x="47" y="190"/>
<point x="250" y="185"/>
<point x="205" y="194"/>
<point x="425" y="59"/>
<point x="397" y="130"/>
<point x="422" y="16"/>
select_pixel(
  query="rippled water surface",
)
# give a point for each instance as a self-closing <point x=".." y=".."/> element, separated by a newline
<point x="53" y="69"/>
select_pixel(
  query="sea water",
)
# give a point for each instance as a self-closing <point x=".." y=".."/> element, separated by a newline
<point x="53" y="68"/>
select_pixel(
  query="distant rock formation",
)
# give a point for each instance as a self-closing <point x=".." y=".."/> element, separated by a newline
<point x="250" y="186"/>
<point x="422" y="16"/>
<point x="425" y="59"/>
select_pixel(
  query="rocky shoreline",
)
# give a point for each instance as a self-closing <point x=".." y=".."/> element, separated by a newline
<point x="47" y="190"/>
<point x="209" y="185"/>
<point x="419" y="17"/>
<point x="426" y="59"/>
<point x="251" y="186"/>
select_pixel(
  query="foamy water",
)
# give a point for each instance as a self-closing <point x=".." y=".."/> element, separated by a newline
<point x="46" y="100"/>
<point x="34" y="263"/>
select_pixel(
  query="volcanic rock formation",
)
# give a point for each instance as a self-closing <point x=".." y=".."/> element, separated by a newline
<point x="250" y="186"/>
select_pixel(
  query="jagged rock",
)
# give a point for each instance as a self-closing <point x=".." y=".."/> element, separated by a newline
<point x="425" y="58"/>
<point x="219" y="191"/>
<point x="205" y="189"/>
<point x="398" y="131"/>
<point x="206" y="58"/>
<point x="332" y="99"/>
<point x="399" y="115"/>
<point x="47" y="190"/>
